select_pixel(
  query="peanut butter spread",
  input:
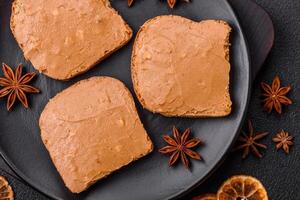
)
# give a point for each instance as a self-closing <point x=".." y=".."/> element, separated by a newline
<point x="63" y="38"/>
<point x="92" y="129"/>
<point x="181" y="67"/>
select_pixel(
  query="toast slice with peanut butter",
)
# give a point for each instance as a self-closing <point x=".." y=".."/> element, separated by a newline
<point x="92" y="129"/>
<point x="180" y="67"/>
<point x="64" y="38"/>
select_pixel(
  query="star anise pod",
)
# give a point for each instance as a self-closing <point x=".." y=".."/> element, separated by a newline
<point x="284" y="141"/>
<point x="130" y="2"/>
<point x="172" y="3"/>
<point x="181" y="147"/>
<point x="249" y="142"/>
<point x="15" y="85"/>
<point x="275" y="96"/>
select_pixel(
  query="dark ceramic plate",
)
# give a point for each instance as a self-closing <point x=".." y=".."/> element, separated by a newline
<point x="150" y="177"/>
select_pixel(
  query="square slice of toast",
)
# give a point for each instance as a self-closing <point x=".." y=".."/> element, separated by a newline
<point x="64" y="38"/>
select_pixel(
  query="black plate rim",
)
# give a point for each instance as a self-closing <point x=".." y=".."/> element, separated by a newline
<point x="208" y="172"/>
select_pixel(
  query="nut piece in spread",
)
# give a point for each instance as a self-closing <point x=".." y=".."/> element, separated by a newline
<point x="181" y="67"/>
<point x="63" y="38"/>
<point x="92" y="129"/>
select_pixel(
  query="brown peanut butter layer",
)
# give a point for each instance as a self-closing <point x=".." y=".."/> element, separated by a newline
<point x="181" y="67"/>
<point x="92" y="129"/>
<point x="63" y="38"/>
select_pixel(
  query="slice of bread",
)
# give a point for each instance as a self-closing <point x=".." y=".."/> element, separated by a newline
<point x="92" y="129"/>
<point x="181" y="68"/>
<point x="64" y="38"/>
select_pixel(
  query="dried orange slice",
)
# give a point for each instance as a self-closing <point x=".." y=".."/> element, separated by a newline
<point x="206" y="197"/>
<point x="6" y="192"/>
<point x="242" y="188"/>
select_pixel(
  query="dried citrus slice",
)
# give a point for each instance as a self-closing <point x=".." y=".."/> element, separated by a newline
<point x="206" y="197"/>
<point x="6" y="192"/>
<point x="242" y="188"/>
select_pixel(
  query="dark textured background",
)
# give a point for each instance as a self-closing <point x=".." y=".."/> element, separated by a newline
<point x="280" y="173"/>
